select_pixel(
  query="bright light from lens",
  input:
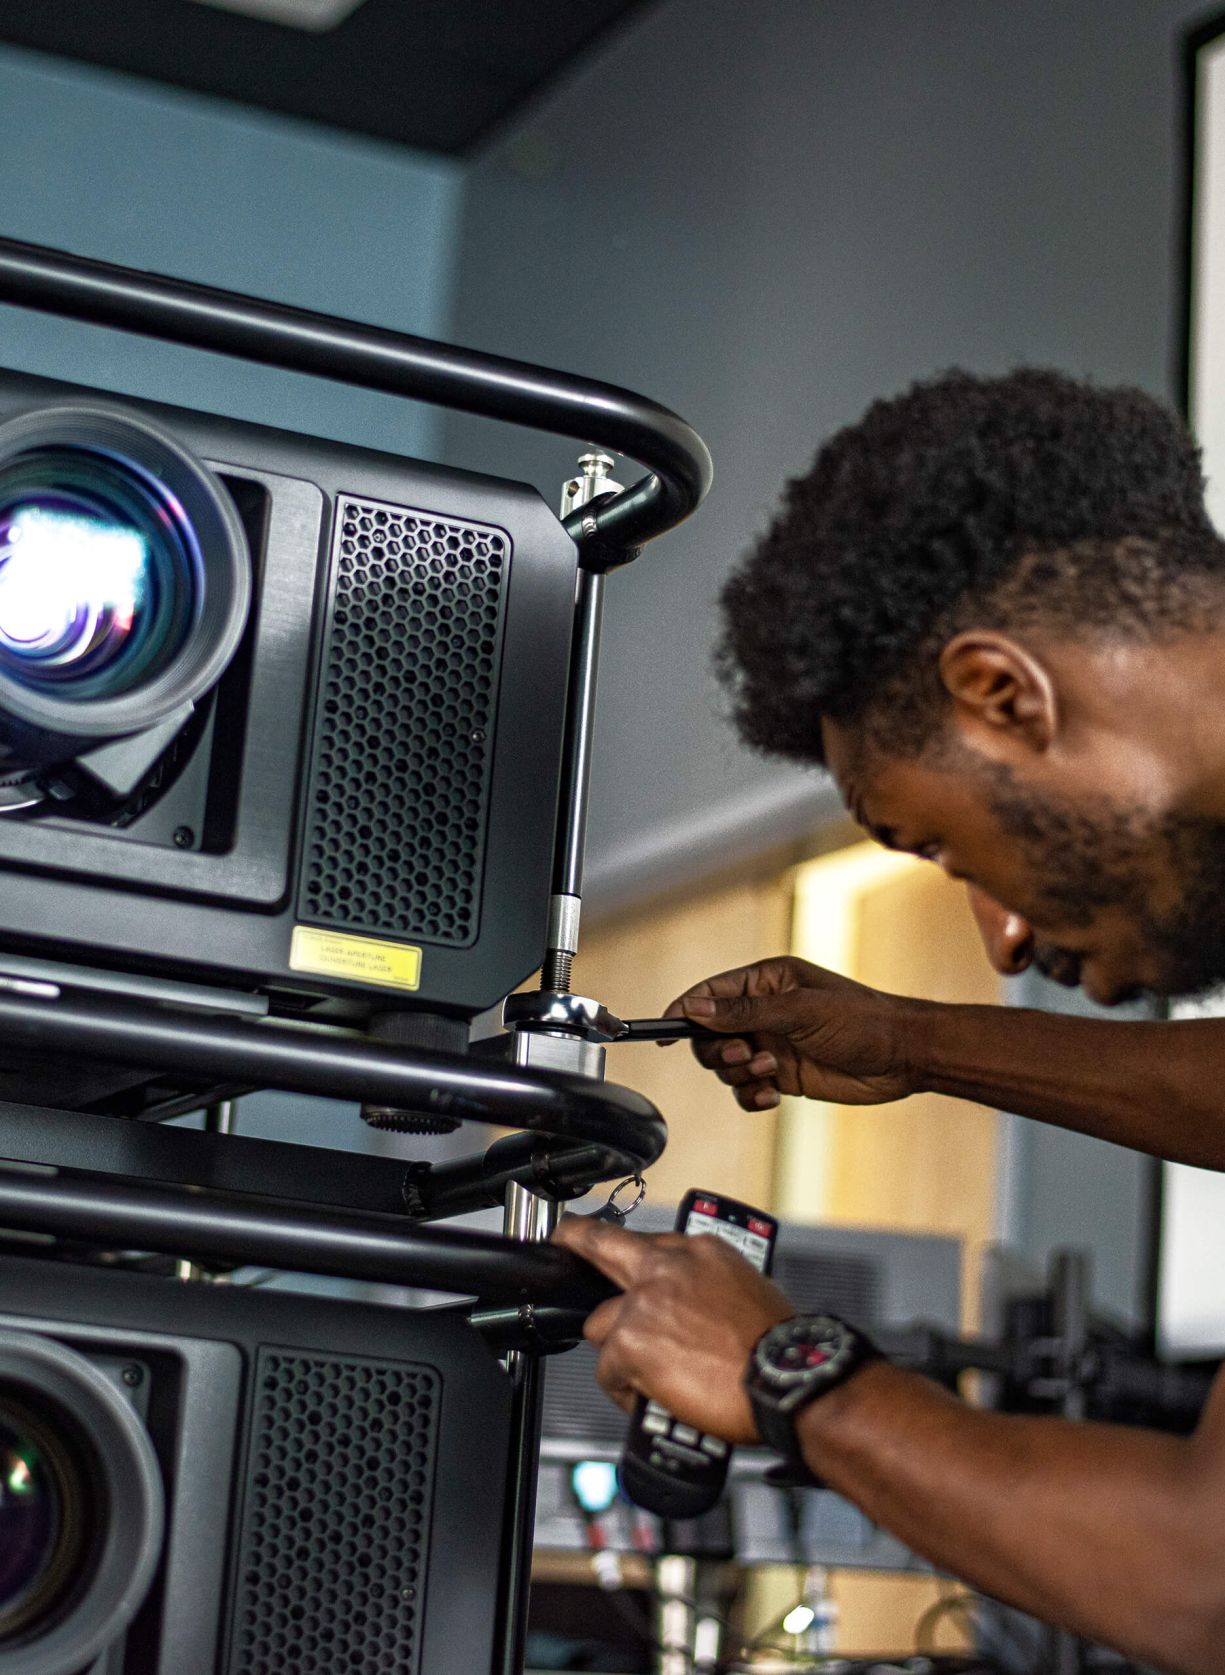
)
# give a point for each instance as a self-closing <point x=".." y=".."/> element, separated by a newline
<point x="99" y="576"/>
<point x="65" y="580"/>
<point x="20" y="1477"/>
<point x="595" y="1484"/>
<point x="799" y="1618"/>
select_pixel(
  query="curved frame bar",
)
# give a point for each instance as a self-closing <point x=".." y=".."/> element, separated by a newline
<point x="303" y="1239"/>
<point x="614" y="1120"/>
<point x="608" y="532"/>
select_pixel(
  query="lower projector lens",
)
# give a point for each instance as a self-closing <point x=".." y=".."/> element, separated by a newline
<point x="42" y="1529"/>
<point x="99" y="574"/>
<point x="81" y="1509"/>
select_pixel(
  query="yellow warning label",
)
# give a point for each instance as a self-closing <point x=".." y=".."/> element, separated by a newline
<point x="362" y="959"/>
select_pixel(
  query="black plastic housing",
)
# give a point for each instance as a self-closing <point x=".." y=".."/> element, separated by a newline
<point x="209" y="881"/>
<point x="334" y="1472"/>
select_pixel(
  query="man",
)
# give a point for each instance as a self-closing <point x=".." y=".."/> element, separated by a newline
<point x="995" y="609"/>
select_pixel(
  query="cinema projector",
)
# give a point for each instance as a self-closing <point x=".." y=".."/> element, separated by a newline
<point x="280" y="727"/>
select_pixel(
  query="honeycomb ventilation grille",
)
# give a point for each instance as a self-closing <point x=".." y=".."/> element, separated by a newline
<point x="332" y="1551"/>
<point x="399" y="788"/>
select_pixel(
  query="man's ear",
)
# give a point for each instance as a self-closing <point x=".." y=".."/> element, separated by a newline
<point x="1003" y="695"/>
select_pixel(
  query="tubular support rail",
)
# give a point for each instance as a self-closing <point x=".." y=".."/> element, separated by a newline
<point x="608" y="531"/>
<point x="83" y="1142"/>
<point x="623" y="1128"/>
<point x="208" y="1228"/>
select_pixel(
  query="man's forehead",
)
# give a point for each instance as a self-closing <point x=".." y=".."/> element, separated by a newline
<point x="884" y="794"/>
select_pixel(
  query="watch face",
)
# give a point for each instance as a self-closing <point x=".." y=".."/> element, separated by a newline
<point x="812" y="1350"/>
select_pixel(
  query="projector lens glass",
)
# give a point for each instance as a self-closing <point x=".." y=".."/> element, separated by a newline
<point x="39" y="1530"/>
<point x="99" y="573"/>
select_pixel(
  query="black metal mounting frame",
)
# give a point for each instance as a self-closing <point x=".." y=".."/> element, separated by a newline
<point x="575" y="1133"/>
<point x="608" y="532"/>
<point x="230" y="1199"/>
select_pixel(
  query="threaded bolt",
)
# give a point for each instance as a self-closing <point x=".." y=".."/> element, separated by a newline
<point x="555" y="977"/>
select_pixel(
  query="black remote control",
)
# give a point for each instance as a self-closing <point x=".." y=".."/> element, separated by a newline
<point x="666" y="1467"/>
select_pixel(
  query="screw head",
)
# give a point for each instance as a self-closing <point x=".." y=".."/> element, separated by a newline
<point x="132" y="1376"/>
<point x="478" y="735"/>
<point x="184" y="837"/>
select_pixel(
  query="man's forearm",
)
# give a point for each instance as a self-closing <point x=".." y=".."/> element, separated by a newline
<point x="1097" y="1528"/>
<point x="1156" y="1087"/>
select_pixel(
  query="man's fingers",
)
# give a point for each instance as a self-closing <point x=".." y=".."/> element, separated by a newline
<point x="602" y="1320"/>
<point x="613" y="1374"/>
<point x="620" y="1255"/>
<point x="744" y="1014"/>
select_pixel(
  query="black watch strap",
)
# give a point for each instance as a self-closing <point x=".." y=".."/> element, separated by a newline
<point x="777" y="1430"/>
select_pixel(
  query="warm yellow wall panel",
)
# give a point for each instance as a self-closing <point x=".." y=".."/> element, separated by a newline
<point x="828" y="896"/>
<point x="925" y="1164"/>
<point x="636" y="966"/>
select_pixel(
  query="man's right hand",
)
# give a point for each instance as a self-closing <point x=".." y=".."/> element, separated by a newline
<point x="795" y="1028"/>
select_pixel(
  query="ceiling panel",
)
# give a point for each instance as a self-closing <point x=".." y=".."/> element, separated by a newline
<point x="436" y="74"/>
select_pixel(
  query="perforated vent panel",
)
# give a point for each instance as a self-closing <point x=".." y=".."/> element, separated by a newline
<point x="332" y="1551"/>
<point x="837" y="1283"/>
<point x="399" y="788"/>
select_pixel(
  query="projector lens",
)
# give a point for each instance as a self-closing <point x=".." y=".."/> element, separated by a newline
<point x="81" y="1508"/>
<point x="125" y="580"/>
<point x="99" y="573"/>
<point x="41" y="1527"/>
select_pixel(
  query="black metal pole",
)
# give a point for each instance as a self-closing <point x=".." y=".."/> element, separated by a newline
<point x="209" y="1228"/>
<point x="527" y="1408"/>
<point x="608" y="532"/>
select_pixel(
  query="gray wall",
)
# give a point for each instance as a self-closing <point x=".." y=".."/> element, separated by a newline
<point x="109" y="166"/>
<point x="766" y="215"/>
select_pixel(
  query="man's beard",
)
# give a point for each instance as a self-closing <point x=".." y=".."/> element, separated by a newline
<point x="1117" y="857"/>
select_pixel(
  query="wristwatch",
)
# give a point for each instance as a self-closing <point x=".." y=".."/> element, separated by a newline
<point x="791" y="1365"/>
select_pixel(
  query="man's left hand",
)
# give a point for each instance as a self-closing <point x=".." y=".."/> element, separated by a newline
<point x="682" y="1331"/>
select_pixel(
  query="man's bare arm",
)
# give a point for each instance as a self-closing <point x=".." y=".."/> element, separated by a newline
<point x="794" y="1028"/>
<point x="1113" y="1532"/>
<point x="1155" y="1087"/>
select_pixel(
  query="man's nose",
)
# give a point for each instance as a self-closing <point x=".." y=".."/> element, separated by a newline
<point x="1007" y="937"/>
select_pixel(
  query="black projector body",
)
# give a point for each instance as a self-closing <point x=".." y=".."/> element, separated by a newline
<point x="302" y="1484"/>
<point x="359" y="815"/>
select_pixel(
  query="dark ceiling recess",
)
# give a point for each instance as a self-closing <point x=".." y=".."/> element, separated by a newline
<point x="437" y="74"/>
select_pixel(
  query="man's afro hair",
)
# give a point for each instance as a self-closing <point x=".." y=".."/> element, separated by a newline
<point x="1028" y="498"/>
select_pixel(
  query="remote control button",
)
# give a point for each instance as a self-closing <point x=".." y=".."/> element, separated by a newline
<point x="657" y="1412"/>
<point x="656" y="1423"/>
<point x="703" y="1224"/>
<point x="715" y="1446"/>
<point x="685" y="1433"/>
